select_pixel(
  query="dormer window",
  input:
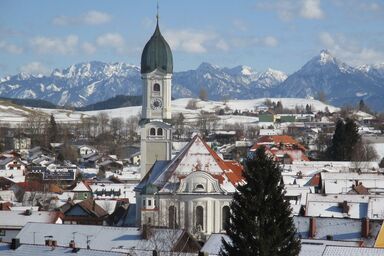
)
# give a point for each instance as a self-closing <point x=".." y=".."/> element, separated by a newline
<point x="199" y="188"/>
<point x="159" y="131"/>
<point x="152" y="131"/>
<point x="156" y="87"/>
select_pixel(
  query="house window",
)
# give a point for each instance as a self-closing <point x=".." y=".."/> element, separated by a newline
<point x="225" y="216"/>
<point x="85" y="195"/>
<point x="149" y="202"/>
<point x="143" y="202"/>
<point x="2" y="232"/>
<point x="152" y="131"/>
<point x="199" y="218"/>
<point x="156" y="87"/>
<point x="172" y="216"/>
<point x="159" y="131"/>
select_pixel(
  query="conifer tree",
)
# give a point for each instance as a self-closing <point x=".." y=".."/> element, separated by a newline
<point x="344" y="141"/>
<point x="52" y="130"/>
<point x="261" y="223"/>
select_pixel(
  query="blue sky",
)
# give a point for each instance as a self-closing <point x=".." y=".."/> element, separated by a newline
<point x="38" y="36"/>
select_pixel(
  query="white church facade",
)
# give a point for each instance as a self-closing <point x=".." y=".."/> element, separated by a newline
<point x="193" y="190"/>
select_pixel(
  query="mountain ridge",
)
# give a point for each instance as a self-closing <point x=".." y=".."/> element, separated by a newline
<point x="87" y="83"/>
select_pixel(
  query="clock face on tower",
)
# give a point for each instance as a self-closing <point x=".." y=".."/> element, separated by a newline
<point x="156" y="104"/>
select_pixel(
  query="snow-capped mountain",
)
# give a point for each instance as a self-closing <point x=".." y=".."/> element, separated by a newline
<point x="236" y="83"/>
<point x="86" y="83"/>
<point x="342" y="84"/>
<point x="78" y="85"/>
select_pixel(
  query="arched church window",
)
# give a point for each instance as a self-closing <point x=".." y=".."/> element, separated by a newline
<point x="199" y="218"/>
<point x="152" y="131"/>
<point x="156" y="87"/>
<point x="159" y="131"/>
<point x="172" y="216"/>
<point x="225" y="216"/>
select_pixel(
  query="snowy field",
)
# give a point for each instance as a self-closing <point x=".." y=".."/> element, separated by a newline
<point x="14" y="115"/>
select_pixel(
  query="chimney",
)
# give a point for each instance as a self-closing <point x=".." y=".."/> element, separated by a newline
<point x="72" y="244"/>
<point x="15" y="243"/>
<point x="365" y="227"/>
<point x="312" y="227"/>
<point x="48" y="242"/>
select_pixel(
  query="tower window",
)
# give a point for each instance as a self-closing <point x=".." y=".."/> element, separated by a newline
<point x="199" y="218"/>
<point x="156" y="87"/>
<point x="159" y="131"/>
<point x="225" y="216"/>
<point x="152" y="131"/>
<point x="172" y="216"/>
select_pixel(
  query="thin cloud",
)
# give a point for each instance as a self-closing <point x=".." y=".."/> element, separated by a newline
<point x="89" y="18"/>
<point x="349" y="50"/>
<point x="35" y="68"/>
<point x="222" y="45"/>
<point x="310" y="9"/>
<point x="111" y="40"/>
<point x="190" y="41"/>
<point x="49" y="45"/>
<point x="10" y="48"/>
<point x="88" y="48"/>
<point x="287" y="10"/>
<point x="245" y="42"/>
<point x="240" y="25"/>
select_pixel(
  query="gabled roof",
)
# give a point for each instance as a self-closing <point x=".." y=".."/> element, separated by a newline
<point x="195" y="156"/>
<point x="91" y="207"/>
<point x="81" y="187"/>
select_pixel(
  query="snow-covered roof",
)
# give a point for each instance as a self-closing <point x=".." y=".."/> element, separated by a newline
<point x="310" y="247"/>
<point x="213" y="245"/>
<point x="17" y="219"/>
<point x="101" y="237"/>
<point x="339" y="228"/>
<point x="352" y="251"/>
<point x="80" y="187"/>
<point x="30" y="249"/>
<point x="332" y="206"/>
<point x="195" y="156"/>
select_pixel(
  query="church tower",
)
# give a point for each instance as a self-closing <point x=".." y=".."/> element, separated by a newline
<point x="156" y="73"/>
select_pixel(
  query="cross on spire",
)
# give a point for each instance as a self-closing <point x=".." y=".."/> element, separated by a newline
<point x="157" y="14"/>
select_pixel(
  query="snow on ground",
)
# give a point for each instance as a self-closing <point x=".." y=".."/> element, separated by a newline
<point x="12" y="114"/>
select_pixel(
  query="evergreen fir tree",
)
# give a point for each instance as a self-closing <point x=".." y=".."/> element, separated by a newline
<point x="260" y="222"/>
<point x="52" y="130"/>
<point x="352" y="137"/>
<point x="335" y="151"/>
<point x="344" y="140"/>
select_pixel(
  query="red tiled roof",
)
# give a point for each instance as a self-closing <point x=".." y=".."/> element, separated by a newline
<point x="232" y="169"/>
<point x="277" y="139"/>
